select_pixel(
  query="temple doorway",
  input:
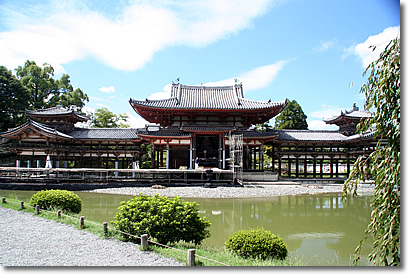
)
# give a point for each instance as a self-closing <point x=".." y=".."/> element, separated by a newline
<point x="207" y="150"/>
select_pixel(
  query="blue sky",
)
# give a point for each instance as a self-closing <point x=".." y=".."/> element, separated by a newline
<point x="306" y="50"/>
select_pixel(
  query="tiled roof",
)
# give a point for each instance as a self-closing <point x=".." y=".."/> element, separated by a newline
<point x="207" y="128"/>
<point x="259" y="134"/>
<point x="203" y="97"/>
<point x="310" y="135"/>
<point x="164" y="133"/>
<point x="38" y="126"/>
<point x="353" y="113"/>
<point x="58" y="110"/>
<point x="366" y="135"/>
<point x="105" y="133"/>
<point x="48" y="130"/>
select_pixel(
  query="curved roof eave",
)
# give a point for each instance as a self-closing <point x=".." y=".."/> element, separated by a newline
<point x="37" y="127"/>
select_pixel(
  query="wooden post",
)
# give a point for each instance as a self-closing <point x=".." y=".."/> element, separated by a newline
<point x="3" y="200"/>
<point x="21" y="205"/>
<point x="297" y="166"/>
<point x="37" y="209"/>
<point x="81" y="222"/>
<point x="143" y="242"/>
<point x="321" y="166"/>
<point x="59" y="214"/>
<point x="191" y="257"/>
<point x="105" y="228"/>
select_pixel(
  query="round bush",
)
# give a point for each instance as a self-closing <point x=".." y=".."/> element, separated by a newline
<point x="57" y="199"/>
<point x="166" y="219"/>
<point x="257" y="243"/>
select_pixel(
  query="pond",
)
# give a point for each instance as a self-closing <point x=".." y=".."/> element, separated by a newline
<point x="319" y="230"/>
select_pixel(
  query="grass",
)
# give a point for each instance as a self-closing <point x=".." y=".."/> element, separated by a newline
<point x="216" y="254"/>
<point x="220" y="255"/>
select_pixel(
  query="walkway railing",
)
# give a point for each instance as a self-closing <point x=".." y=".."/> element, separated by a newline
<point x="144" y="246"/>
<point x="21" y="174"/>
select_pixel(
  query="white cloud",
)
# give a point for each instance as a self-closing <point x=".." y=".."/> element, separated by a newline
<point x="326" y="112"/>
<point x="315" y="118"/>
<point x="324" y="46"/>
<point x="365" y="53"/>
<point x="135" y="122"/>
<point x="254" y="79"/>
<point x="107" y="89"/>
<point x="87" y="109"/>
<point x="102" y="105"/>
<point x="320" y="125"/>
<point x="126" y="40"/>
<point x="165" y="94"/>
<point x="96" y="98"/>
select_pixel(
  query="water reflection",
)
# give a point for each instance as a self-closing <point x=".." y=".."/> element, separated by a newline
<point x="320" y="229"/>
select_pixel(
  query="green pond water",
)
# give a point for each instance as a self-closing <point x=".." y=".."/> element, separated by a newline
<point x="319" y="230"/>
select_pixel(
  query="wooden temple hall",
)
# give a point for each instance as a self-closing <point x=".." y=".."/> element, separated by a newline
<point x="197" y="128"/>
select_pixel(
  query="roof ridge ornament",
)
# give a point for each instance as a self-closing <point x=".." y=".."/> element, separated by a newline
<point x="236" y="93"/>
<point x="178" y="93"/>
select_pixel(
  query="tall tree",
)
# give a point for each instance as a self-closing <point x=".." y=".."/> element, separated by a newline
<point x="68" y="96"/>
<point x="104" y="118"/>
<point x="44" y="91"/>
<point x="292" y="117"/>
<point x="39" y="83"/>
<point x="13" y="100"/>
<point x="382" y="92"/>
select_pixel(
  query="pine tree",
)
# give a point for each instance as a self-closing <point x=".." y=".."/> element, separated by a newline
<point x="292" y="117"/>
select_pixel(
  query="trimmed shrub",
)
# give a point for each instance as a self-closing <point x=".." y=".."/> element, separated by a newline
<point x="57" y="199"/>
<point x="169" y="220"/>
<point x="257" y="243"/>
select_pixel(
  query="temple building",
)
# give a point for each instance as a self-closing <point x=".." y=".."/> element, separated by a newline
<point x="52" y="132"/>
<point x="212" y="127"/>
<point x="196" y="122"/>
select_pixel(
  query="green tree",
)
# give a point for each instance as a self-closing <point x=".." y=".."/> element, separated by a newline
<point x="13" y="100"/>
<point x="44" y="91"/>
<point x="39" y="83"/>
<point x="104" y="118"/>
<point x="68" y="96"/>
<point x="292" y="117"/>
<point x="382" y="93"/>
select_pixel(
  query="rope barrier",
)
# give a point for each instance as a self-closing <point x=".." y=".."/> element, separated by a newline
<point x="166" y="246"/>
<point x="211" y="260"/>
<point x="125" y="233"/>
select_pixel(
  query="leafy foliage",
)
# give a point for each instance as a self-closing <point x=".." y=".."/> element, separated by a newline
<point x="292" y="117"/>
<point x="257" y="243"/>
<point x="382" y="92"/>
<point x="104" y="118"/>
<point x="13" y="100"/>
<point x="166" y="219"/>
<point x="44" y="91"/>
<point x="68" y="96"/>
<point x="57" y="199"/>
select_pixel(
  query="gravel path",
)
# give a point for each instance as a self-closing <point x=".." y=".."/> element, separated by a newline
<point x="233" y="192"/>
<point x="28" y="240"/>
